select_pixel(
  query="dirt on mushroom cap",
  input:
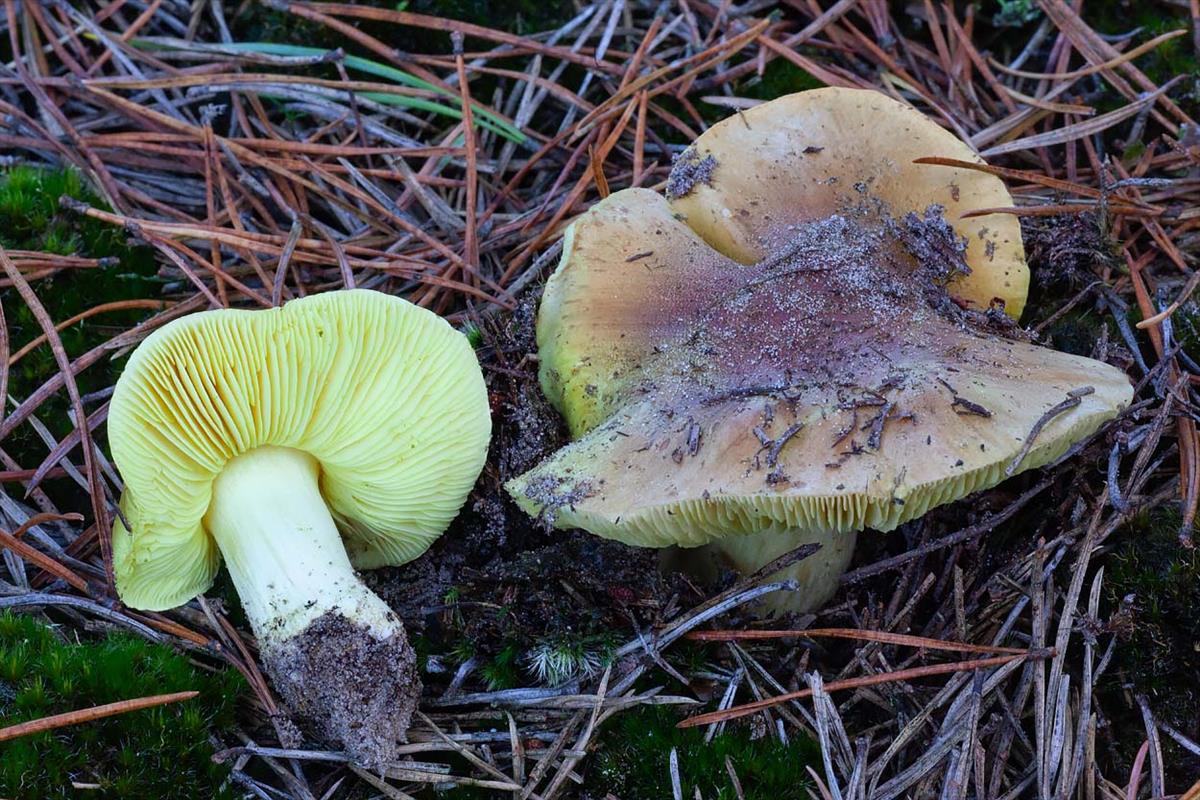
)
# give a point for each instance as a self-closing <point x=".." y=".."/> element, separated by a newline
<point x="688" y="169"/>
<point x="806" y="156"/>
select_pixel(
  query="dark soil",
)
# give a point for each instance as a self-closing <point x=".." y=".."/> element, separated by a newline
<point x="498" y="578"/>
<point x="581" y="583"/>
<point x="524" y="430"/>
<point x="1064" y="250"/>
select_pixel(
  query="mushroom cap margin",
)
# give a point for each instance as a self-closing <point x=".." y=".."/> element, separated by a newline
<point x="628" y="480"/>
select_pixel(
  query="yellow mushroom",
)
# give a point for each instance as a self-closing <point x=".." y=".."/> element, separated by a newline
<point x="797" y="344"/>
<point x="340" y="431"/>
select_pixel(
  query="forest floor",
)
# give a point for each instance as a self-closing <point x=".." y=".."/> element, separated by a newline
<point x="159" y="158"/>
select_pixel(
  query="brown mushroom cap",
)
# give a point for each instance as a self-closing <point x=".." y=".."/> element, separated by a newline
<point x="833" y="383"/>
<point x="805" y="156"/>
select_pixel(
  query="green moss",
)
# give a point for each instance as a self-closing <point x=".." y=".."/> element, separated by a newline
<point x="1076" y="332"/>
<point x="153" y="753"/>
<point x="1161" y="580"/>
<point x="779" y="78"/>
<point x="31" y="219"/>
<point x="1132" y="153"/>
<point x="1176" y="57"/>
<point x="474" y="335"/>
<point x="1014" y="13"/>
<point x="502" y="670"/>
<point x="1185" y="324"/>
<point x="555" y="659"/>
<point x="633" y="761"/>
<point x="508" y="655"/>
<point x="1152" y="593"/>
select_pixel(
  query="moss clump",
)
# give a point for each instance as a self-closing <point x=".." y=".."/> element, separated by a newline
<point x="1015" y="13"/>
<point x="1176" y="57"/>
<point x="153" y="753"/>
<point x="474" y="335"/>
<point x="1185" y="324"/>
<point x="779" y="78"/>
<point x="1157" y="582"/>
<point x="502" y="670"/>
<point x="1152" y="587"/>
<point x="633" y="760"/>
<point x="508" y="656"/>
<point x="1076" y="332"/>
<point x="554" y="660"/>
<point x="529" y="615"/>
<point x="257" y="23"/>
<point x="31" y="219"/>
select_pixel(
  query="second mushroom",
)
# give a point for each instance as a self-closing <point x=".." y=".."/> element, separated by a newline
<point x="806" y="337"/>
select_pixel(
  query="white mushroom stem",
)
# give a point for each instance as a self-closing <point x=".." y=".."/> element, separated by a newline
<point x="818" y="575"/>
<point x="283" y="549"/>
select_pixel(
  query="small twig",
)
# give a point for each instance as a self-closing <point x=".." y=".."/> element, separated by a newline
<point x="1074" y="398"/>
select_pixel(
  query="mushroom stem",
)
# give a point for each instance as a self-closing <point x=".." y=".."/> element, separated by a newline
<point x="283" y="549"/>
<point x="336" y="652"/>
<point x="817" y="575"/>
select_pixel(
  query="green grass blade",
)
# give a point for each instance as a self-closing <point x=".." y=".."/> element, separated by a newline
<point x="485" y="118"/>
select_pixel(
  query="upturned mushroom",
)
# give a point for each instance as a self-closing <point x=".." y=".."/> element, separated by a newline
<point x="800" y="341"/>
<point x="342" y="431"/>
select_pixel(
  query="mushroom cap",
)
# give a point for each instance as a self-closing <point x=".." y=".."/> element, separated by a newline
<point x="805" y="156"/>
<point x="386" y="396"/>
<point x="834" y="382"/>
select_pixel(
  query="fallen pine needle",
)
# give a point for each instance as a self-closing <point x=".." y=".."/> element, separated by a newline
<point x="89" y="714"/>
<point x="854" y="683"/>
<point x="851" y="633"/>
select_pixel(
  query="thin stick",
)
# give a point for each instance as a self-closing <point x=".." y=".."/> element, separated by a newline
<point x="1074" y="398"/>
<point x="883" y="637"/>
<point x="89" y="714"/>
<point x="855" y="683"/>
